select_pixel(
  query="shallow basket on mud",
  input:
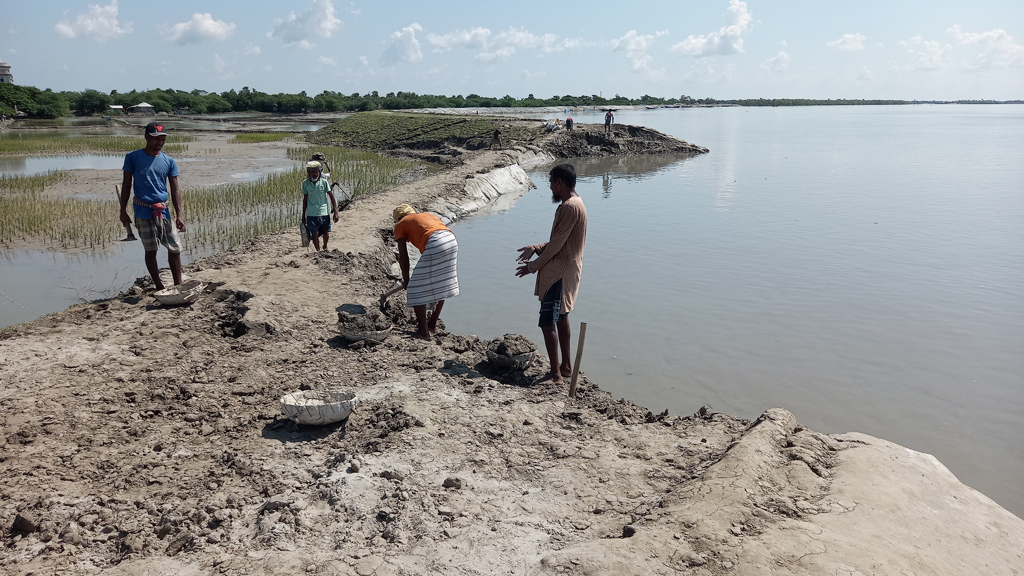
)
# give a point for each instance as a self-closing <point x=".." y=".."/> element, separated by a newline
<point x="180" y="294"/>
<point x="317" y="407"/>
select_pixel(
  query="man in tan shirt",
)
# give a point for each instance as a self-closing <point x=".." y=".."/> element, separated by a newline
<point x="559" y="265"/>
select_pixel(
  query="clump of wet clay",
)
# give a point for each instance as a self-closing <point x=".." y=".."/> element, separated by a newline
<point x="370" y="321"/>
<point x="511" y="345"/>
<point x="511" y="351"/>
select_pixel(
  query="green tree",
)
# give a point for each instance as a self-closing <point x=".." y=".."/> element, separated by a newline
<point x="92" y="102"/>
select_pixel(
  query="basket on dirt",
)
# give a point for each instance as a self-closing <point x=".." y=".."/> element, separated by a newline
<point x="317" y="407"/>
<point x="356" y="322"/>
<point x="511" y="352"/>
<point x="180" y="294"/>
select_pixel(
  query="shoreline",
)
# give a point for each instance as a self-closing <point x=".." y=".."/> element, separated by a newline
<point x="540" y="483"/>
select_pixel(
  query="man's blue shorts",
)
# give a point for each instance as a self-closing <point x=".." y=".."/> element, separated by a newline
<point x="550" y="306"/>
<point x="317" y="225"/>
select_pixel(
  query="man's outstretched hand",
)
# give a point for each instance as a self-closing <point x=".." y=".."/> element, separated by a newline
<point x="523" y="270"/>
<point x="525" y="253"/>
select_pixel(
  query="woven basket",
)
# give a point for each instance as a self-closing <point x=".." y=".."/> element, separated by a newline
<point x="318" y="407"/>
<point x="180" y="294"/>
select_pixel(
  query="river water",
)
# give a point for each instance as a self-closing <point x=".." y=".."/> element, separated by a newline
<point x="862" y="267"/>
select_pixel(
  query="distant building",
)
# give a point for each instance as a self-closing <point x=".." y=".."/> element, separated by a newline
<point x="5" y="73"/>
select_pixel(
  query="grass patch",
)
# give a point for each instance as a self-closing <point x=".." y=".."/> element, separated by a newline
<point x="57" y="144"/>
<point x="218" y="217"/>
<point x="35" y="184"/>
<point x="255" y="137"/>
<point x="359" y="171"/>
<point x="391" y="130"/>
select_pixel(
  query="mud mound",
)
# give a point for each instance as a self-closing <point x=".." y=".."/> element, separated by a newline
<point x="511" y="345"/>
<point x="369" y="321"/>
<point x="624" y="140"/>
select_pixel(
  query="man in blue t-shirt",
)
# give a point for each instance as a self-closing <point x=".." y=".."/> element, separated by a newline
<point x="151" y="171"/>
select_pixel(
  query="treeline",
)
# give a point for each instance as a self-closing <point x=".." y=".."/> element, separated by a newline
<point x="49" y="104"/>
<point x="811" y="102"/>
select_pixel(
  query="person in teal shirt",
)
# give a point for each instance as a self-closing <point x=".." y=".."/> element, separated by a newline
<point x="316" y="191"/>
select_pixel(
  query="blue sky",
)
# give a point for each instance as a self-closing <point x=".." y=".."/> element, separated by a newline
<point x="938" y="49"/>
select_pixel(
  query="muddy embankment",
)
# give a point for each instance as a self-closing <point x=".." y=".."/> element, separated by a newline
<point x="140" y="439"/>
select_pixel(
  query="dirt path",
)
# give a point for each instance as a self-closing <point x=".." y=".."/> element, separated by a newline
<point x="139" y="439"/>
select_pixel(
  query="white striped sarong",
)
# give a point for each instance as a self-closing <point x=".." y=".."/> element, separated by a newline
<point x="435" y="277"/>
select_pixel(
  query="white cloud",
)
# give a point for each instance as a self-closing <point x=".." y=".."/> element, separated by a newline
<point x="317" y="21"/>
<point x="219" y="63"/>
<point x="635" y="46"/>
<point x="527" y="75"/>
<point x="864" y="74"/>
<point x="707" y="70"/>
<point x="776" y="64"/>
<point x="200" y="28"/>
<point x="998" y="49"/>
<point x="849" y="42"/>
<point x="783" y="44"/>
<point x="363" y="60"/>
<point x="327" y="61"/>
<point x="500" y="54"/>
<point x="475" y="38"/>
<point x="99" y="23"/>
<point x="925" y="55"/>
<point x="251" y="50"/>
<point x="404" y="46"/>
<point x="502" y="45"/>
<point x="728" y="39"/>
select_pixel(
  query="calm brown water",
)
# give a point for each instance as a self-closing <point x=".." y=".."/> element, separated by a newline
<point x="861" y="267"/>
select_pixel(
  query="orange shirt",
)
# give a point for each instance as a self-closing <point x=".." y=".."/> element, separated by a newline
<point x="417" y="228"/>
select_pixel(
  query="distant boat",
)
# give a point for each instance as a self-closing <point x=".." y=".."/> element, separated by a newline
<point x="652" y="107"/>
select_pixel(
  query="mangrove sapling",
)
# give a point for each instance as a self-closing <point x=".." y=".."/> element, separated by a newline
<point x="255" y="137"/>
<point x="58" y="143"/>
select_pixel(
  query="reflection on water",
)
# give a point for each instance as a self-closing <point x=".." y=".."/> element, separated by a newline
<point x="28" y="165"/>
<point x="866" y="282"/>
<point x="34" y="283"/>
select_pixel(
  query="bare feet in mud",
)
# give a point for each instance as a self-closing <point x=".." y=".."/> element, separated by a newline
<point x="566" y="370"/>
<point x="420" y="335"/>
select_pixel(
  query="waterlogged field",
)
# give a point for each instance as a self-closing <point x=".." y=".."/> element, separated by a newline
<point x="43" y="143"/>
<point x="27" y="213"/>
<point x="218" y="217"/>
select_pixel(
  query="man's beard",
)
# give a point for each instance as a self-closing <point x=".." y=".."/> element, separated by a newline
<point x="555" y="198"/>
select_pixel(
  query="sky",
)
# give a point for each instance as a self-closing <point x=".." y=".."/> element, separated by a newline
<point x="893" y="49"/>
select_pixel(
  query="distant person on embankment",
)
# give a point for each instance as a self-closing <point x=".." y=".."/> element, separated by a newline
<point x="316" y="192"/>
<point x="435" y="278"/>
<point x="609" y="118"/>
<point x="150" y="171"/>
<point x="559" y="265"/>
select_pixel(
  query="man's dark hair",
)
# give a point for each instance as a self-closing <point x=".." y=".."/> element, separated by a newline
<point x="566" y="173"/>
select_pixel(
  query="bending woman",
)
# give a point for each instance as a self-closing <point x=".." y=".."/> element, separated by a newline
<point x="435" y="278"/>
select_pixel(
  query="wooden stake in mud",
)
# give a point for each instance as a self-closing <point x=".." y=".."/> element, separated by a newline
<point x="579" y="356"/>
<point x="128" y="227"/>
